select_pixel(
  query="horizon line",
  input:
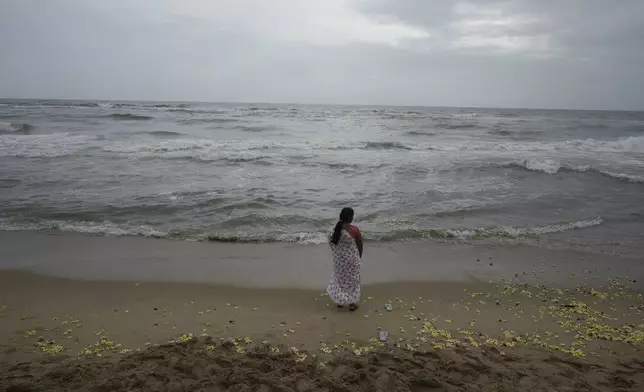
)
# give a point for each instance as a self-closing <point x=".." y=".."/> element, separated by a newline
<point x="321" y="104"/>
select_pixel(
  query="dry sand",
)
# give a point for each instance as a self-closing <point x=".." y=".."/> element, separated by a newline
<point x="63" y="334"/>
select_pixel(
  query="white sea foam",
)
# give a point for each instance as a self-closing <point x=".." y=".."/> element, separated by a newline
<point x="86" y="227"/>
<point x="112" y="229"/>
<point x="553" y="167"/>
<point x="42" y="146"/>
<point x="630" y="144"/>
<point x="547" y="166"/>
<point x="7" y="127"/>
<point x="496" y="232"/>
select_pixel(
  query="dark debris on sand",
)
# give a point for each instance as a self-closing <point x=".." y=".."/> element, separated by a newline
<point x="196" y="365"/>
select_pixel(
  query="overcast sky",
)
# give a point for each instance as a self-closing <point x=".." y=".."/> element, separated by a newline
<point x="524" y="53"/>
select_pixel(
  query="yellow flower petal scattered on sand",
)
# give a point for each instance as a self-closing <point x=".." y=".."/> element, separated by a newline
<point x="186" y="337"/>
<point x="30" y="333"/>
<point x="325" y="349"/>
<point x="50" y="347"/>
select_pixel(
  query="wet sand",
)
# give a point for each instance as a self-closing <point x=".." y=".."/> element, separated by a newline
<point x="137" y="314"/>
<point x="283" y="265"/>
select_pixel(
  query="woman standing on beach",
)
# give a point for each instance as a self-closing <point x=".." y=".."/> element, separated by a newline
<point x="346" y="245"/>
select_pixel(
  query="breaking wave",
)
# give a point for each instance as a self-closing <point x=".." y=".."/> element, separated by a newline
<point x="553" y="167"/>
<point x="254" y="128"/>
<point x="218" y="120"/>
<point x="386" y="146"/>
<point x="445" y="125"/>
<point x="165" y="133"/>
<point x="516" y="132"/>
<point x="129" y="116"/>
<point x="419" y="133"/>
<point x="7" y="127"/>
<point x="42" y="146"/>
<point x="494" y="232"/>
<point x="405" y="234"/>
<point x="84" y="227"/>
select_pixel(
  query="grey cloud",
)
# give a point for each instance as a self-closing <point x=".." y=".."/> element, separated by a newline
<point x="568" y="54"/>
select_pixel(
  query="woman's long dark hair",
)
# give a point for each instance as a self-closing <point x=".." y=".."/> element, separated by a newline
<point x="346" y="216"/>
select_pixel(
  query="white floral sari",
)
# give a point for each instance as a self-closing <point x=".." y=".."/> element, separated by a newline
<point x="344" y="288"/>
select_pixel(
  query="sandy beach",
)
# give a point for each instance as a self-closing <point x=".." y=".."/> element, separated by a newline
<point x="78" y="312"/>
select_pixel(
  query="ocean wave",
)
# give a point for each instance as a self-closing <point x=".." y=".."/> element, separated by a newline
<point x="42" y="146"/>
<point x="515" y="132"/>
<point x="465" y="115"/>
<point x="147" y="105"/>
<point x="124" y="105"/>
<point x="84" y="227"/>
<point x="632" y="144"/>
<point x="419" y="133"/>
<point x="301" y="238"/>
<point x="254" y="128"/>
<point x="68" y="104"/>
<point x="169" y="106"/>
<point x="165" y="133"/>
<point x="588" y="145"/>
<point x="445" y="125"/>
<point x="629" y="144"/>
<point x="218" y="120"/>
<point x="386" y="146"/>
<point x="129" y="116"/>
<point x="549" y="166"/>
<point x="192" y="149"/>
<point x="7" y="127"/>
<point x="316" y="237"/>
<point x="159" y="147"/>
<point x="484" y="233"/>
<point x="9" y="182"/>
